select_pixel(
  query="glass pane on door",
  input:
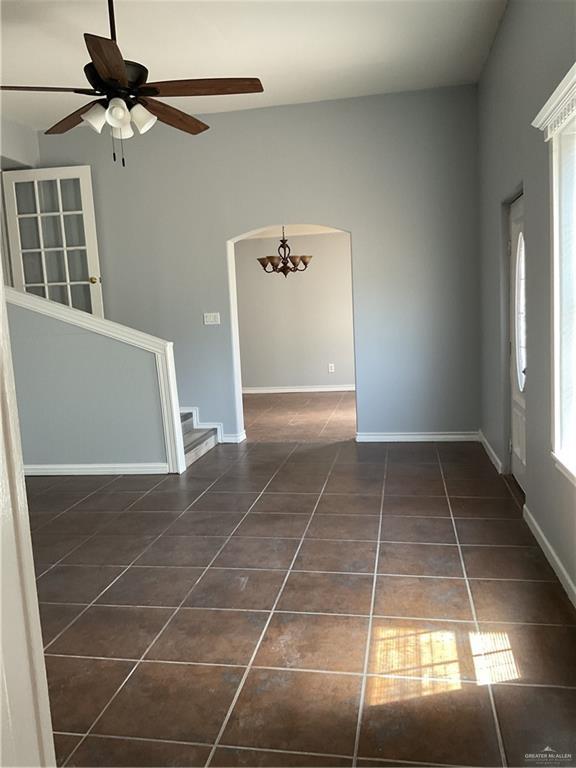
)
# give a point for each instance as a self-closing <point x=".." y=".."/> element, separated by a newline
<point x="29" y="237"/>
<point x="37" y="290"/>
<point x="81" y="297"/>
<point x="51" y="232"/>
<point x="55" y="267"/>
<point x="25" y="197"/>
<point x="58" y="293"/>
<point x="71" y="197"/>
<point x="77" y="265"/>
<point x="74" y="229"/>
<point x="33" y="270"/>
<point x="48" y="196"/>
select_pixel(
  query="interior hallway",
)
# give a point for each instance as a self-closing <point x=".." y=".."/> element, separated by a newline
<point x="300" y="416"/>
<point x="301" y="605"/>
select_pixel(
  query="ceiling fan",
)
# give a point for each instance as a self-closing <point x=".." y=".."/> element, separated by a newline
<point x="125" y="96"/>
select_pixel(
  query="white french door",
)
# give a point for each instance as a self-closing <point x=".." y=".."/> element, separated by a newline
<point x="518" y="366"/>
<point x="52" y="235"/>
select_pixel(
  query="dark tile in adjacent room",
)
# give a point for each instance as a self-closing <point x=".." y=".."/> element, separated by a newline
<point x="489" y="508"/>
<point x="418" y="529"/>
<point x="507" y="563"/>
<point x="108" y="501"/>
<point x="224" y="502"/>
<point x="243" y="552"/>
<point x="161" y="586"/>
<point x="123" y="633"/>
<point x="140" y="523"/>
<point x="414" y="453"/>
<point x="75" y="583"/>
<point x="407" y="479"/>
<point x="182" y="550"/>
<point x="270" y="525"/>
<point x="51" y="547"/>
<point x="497" y="532"/>
<point x="236" y="588"/>
<point x="210" y="636"/>
<point x="532" y="719"/>
<point x="343" y="556"/>
<point x="142" y="483"/>
<point x="79" y="689"/>
<point x="230" y="757"/>
<point x="366" y="479"/>
<point x="302" y="711"/>
<point x="102" y="752"/>
<point x="54" y="502"/>
<point x="165" y="501"/>
<point x="417" y="720"/>
<point x="420" y="559"/>
<point x="473" y="480"/>
<point x="422" y="598"/>
<point x="524" y="601"/>
<point x="64" y="743"/>
<point x="348" y="504"/>
<point x="298" y="640"/>
<point x="55" y="616"/>
<point x="286" y="503"/>
<point x="205" y="524"/>
<point x="176" y="702"/>
<point x="327" y="593"/>
<point x="74" y="523"/>
<point x="347" y="527"/>
<point x="423" y="649"/>
<point x="421" y="506"/>
<point x="109" y="550"/>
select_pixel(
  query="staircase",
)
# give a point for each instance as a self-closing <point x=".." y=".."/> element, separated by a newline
<point x="197" y="442"/>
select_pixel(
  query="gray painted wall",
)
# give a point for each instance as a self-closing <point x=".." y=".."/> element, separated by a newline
<point x="291" y="328"/>
<point x="19" y="146"/>
<point x="535" y="47"/>
<point x="83" y="398"/>
<point x="397" y="171"/>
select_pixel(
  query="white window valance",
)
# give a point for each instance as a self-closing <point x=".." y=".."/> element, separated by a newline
<point x="559" y="108"/>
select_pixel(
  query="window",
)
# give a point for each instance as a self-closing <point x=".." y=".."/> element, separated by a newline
<point x="558" y="120"/>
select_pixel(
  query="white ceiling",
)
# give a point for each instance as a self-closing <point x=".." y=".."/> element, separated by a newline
<point x="302" y="51"/>
<point x="291" y="230"/>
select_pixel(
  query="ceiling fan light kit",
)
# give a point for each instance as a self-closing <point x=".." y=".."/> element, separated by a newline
<point x="123" y="95"/>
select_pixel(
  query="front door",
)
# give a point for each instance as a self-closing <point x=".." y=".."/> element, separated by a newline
<point x="52" y="235"/>
<point x="517" y="340"/>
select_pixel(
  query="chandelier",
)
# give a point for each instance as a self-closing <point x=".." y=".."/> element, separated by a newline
<point x="284" y="263"/>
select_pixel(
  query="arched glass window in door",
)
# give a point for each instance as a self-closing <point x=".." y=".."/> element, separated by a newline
<point x="520" y="312"/>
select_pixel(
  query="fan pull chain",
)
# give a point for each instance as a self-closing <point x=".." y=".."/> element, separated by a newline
<point x="122" y="147"/>
<point x="113" y="146"/>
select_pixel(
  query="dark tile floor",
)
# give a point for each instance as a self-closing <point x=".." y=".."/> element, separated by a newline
<point x="288" y="604"/>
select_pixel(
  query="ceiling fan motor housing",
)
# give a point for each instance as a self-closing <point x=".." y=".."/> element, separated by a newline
<point x="137" y="76"/>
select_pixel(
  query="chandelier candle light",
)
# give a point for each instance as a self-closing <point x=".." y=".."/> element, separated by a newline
<point x="284" y="263"/>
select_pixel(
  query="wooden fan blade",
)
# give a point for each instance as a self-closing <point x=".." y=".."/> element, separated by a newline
<point x="174" y="117"/>
<point x="206" y="87"/>
<point x="107" y="58"/>
<point x="71" y="120"/>
<point x="87" y="91"/>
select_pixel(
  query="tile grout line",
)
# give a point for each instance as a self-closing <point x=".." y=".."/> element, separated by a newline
<point x="177" y="608"/>
<point x="268" y="621"/>
<point x="496" y="721"/>
<point x="331" y="415"/>
<point x="370" y="621"/>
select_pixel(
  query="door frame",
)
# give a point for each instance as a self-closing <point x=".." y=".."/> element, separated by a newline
<point x="505" y="327"/>
<point x="84" y="175"/>
<point x="240" y="434"/>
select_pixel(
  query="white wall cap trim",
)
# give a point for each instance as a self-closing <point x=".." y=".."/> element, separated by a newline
<point x="416" y="437"/>
<point x="96" y="469"/>
<point x="559" y="108"/>
<point x="302" y="388"/>
<point x="85" y="320"/>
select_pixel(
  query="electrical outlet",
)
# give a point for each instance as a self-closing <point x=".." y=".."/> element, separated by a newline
<point x="211" y="318"/>
<point x="331" y="367"/>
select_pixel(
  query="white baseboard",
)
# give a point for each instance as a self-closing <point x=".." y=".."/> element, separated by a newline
<point x="551" y="555"/>
<point x="492" y="455"/>
<point x="96" y="469"/>
<point x="238" y="438"/>
<point x="416" y="437"/>
<point x="303" y="388"/>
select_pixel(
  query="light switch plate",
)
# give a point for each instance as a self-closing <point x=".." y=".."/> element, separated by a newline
<point x="211" y="318"/>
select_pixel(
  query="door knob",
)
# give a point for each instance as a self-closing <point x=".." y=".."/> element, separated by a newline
<point x="93" y="280"/>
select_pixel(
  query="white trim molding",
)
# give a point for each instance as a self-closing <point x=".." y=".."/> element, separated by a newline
<point x="492" y="455"/>
<point x="164" y="355"/>
<point x="217" y="425"/>
<point x="559" y="108"/>
<point x="301" y="388"/>
<point x="417" y="437"/>
<point x="551" y="555"/>
<point x="238" y="438"/>
<point x="97" y="469"/>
